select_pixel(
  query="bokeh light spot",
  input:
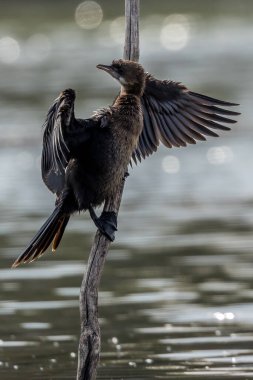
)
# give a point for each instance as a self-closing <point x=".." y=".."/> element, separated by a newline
<point x="89" y="15"/>
<point x="171" y="164"/>
<point x="219" y="316"/>
<point x="229" y="316"/>
<point x="115" y="340"/>
<point x="9" y="50"/>
<point x="219" y="155"/>
<point x="224" y="316"/>
<point x="117" y="30"/>
<point x="175" y="32"/>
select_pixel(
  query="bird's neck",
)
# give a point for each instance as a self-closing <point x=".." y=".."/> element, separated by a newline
<point x="123" y="91"/>
<point x="136" y="89"/>
<point x="126" y="99"/>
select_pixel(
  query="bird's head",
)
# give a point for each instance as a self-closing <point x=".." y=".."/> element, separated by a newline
<point x="129" y="74"/>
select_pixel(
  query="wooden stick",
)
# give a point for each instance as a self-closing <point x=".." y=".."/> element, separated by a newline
<point x="90" y="341"/>
<point x="131" y="48"/>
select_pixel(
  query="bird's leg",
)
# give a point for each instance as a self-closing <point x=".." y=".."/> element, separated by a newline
<point x="106" y="223"/>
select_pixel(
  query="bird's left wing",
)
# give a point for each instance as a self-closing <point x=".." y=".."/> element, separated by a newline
<point x="176" y="116"/>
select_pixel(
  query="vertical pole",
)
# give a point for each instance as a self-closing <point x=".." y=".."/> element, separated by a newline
<point x="131" y="48"/>
<point x="90" y="341"/>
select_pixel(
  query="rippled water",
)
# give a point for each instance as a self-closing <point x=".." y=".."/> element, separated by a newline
<point x="176" y="296"/>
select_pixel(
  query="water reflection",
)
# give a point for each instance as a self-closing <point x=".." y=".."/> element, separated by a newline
<point x="35" y="325"/>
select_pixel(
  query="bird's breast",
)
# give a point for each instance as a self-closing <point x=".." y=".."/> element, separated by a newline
<point x="109" y="152"/>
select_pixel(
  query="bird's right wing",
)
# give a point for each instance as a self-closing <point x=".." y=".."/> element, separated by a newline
<point x="55" y="152"/>
<point x="64" y="135"/>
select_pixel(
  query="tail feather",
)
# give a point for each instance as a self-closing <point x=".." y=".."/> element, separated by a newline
<point x="39" y="241"/>
<point x="43" y="243"/>
<point x="52" y="230"/>
<point x="60" y="232"/>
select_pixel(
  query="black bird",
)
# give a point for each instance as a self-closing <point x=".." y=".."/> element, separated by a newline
<point x="85" y="160"/>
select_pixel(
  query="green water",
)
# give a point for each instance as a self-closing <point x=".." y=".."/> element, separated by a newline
<point x="176" y="298"/>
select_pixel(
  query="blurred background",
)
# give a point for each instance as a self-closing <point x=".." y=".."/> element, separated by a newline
<point x="176" y="297"/>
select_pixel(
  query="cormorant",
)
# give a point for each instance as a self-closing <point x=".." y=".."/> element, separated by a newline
<point x="85" y="160"/>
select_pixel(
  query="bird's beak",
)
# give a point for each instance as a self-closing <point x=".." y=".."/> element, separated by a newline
<point x="105" y="68"/>
<point x="109" y="70"/>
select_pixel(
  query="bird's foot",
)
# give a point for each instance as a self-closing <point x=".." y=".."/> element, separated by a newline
<point x="107" y="224"/>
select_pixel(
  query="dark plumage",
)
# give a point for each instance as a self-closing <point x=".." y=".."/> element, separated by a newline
<point x="84" y="161"/>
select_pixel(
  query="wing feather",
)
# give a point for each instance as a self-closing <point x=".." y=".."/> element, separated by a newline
<point x="55" y="152"/>
<point x="64" y="136"/>
<point x="152" y="132"/>
<point x="175" y="116"/>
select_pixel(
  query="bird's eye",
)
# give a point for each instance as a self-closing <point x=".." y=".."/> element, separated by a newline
<point x="118" y="68"/>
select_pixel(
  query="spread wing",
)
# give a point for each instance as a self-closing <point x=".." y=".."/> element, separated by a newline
<point x="55" y="152"/>
<point x="64" y="136"/>
<point x="176" y="116"/>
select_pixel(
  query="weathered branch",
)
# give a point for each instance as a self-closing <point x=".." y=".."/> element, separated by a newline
<point x="131" y="48"/>
<point x="89" y="344"/>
